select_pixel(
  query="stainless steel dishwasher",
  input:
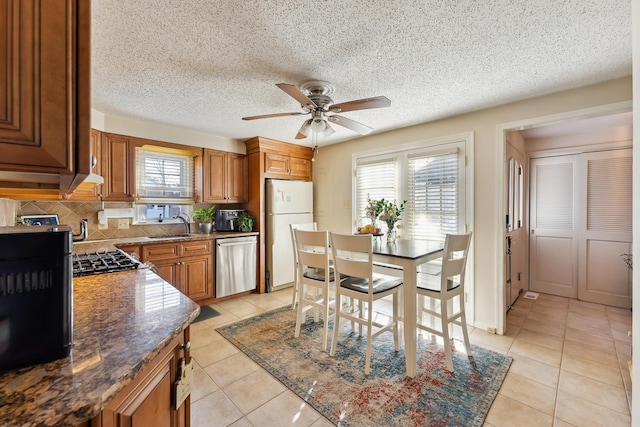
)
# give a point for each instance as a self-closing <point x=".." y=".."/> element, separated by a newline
<point x="235" y="265"/>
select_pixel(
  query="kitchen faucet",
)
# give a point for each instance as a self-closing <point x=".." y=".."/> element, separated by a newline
<point x="185" y="218"/>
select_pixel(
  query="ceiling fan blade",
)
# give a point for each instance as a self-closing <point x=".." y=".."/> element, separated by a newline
<point x="296" y="94"/>
<point x="350" y="124"/>
<point x="361" y="104"/>
<point x="268" y="116"/>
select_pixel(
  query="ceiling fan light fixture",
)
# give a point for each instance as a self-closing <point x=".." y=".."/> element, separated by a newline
<point x="305" y="130"/>
<point x="328" y="130"/>
<point x="318" y="125"/>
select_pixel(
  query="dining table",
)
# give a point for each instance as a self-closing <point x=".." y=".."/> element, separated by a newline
<point x="408" y="255"/>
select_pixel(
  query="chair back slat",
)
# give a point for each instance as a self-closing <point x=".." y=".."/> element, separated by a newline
<point x="313" y="248"/>
<point x="352" y="255"/>
<point x="308" y="226"/>
<point x="454" y="260"/>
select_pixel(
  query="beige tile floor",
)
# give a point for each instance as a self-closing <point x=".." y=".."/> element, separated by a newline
<point x="569" y="368"/>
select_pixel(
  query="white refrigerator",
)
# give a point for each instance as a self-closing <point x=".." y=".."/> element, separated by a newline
<point x="288" y="202"/>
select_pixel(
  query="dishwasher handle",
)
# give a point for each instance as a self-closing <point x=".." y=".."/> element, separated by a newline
<point x="231" y="242"/>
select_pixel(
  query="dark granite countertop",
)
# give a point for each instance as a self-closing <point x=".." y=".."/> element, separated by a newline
<point x="110" y="244"/>
<point x="122" y="321"/>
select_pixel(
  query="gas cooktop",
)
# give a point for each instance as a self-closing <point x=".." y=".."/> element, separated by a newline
<point x="102" y="262"/>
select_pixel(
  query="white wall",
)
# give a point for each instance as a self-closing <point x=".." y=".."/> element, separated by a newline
<point x="332" y="174"/>
<point x="160" y="132"/>
<point x="635" y="19"/>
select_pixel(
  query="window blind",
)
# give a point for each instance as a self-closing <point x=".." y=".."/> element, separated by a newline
<point x="433" y="196"/>
<point x="164" y="177"/>
<point x="376" y="179"/>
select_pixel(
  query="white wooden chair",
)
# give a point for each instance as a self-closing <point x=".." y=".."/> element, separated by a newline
<point x="353" y="257"/>
<point x="446" y="293"/>
<point x="310" y="226"/>
<point x="315" y="280"/>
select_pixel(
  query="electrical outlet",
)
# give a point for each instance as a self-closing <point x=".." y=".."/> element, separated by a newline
<point x="491" y="330"/>
<point x="346" y="204"/>
<point x="103" y="226"/>
<point x="123" y="223"/>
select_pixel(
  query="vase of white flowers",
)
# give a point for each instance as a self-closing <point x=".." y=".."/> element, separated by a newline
<point x="373" y="210"/>
<point x="391" y="215"/>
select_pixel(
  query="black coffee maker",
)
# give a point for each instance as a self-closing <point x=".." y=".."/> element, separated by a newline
<point x="227" y="220"/>
<point x="36" y="295"/>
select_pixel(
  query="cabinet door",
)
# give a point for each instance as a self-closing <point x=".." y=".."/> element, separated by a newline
<point x="117" y="168"/>
<point x="92" y="194"/>
<point x="300" y="168"/>
<point x="237" y="178"/>
<point x="196" y="276"/>
<point x="148" y="400"/>
<point x="43" y="85"/>
<point x="276" y="165"/>
<point x="168" y="270"/>
<point x="214" y="176"/>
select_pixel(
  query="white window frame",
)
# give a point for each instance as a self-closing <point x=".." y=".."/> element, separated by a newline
<point x="177" y="205"/>
<point x="185" y="189"/>
<point x="464" y="142"/>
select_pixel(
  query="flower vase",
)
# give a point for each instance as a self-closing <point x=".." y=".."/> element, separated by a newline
<point x="391" y="233"/>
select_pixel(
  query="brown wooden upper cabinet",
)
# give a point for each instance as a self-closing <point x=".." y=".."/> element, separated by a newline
<point x="95" y="193"/>
<point x="117" y="168"/>
<point x="287" y="167"/>
<point x="45" y="73"/>
<point x="225" y="177"/>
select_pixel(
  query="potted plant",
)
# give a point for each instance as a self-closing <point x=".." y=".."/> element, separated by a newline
<point x="205" y="218"/>
<point x="245" y="222"/>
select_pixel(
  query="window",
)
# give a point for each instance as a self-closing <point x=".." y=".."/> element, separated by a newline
<point x="160" y="213"/>
<point x="430" y="178"/>
<point x="164" y="176"/>
<point x="433" y="195"/>
<point x="376" y="179"/>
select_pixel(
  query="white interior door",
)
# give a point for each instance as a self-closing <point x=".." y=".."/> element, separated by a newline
<point x="515" y="262"/>
<point x="605" y="228"/>
<point x="553" y="225"/>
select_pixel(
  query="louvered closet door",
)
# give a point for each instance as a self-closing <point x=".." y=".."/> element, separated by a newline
<point x="554" y="231"/>
<point x="605" y="228"/>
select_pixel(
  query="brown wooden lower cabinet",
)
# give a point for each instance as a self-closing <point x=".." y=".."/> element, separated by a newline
<point x="149" y="399"/>
<point x="188" y="266"/>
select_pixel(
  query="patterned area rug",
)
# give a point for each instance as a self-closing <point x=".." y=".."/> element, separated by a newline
<point x="337" y="387"/>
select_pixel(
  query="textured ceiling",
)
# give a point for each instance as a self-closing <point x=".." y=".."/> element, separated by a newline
<point x="204" y="64"/>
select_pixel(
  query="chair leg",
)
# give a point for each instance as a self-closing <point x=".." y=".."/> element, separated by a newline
<point x="396" y="334"/>
<point x="465" y="334"/>
<point x="367" y="363"/>
<point x="336" y="329"/>
<point x="301" y="315"/>
<point x="294" y="296"/>
<point x="361" y="312"/>
<point x="445" y="333"/>
<point x="325" y="328"/>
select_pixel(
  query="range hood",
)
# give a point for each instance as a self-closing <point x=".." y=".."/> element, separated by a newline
<point x="91" y="181"/>
<point x="29" y="185"/>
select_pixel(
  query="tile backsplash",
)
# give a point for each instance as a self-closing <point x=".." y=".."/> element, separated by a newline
<point x="71" y="213"/>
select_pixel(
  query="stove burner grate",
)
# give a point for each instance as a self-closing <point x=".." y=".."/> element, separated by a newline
<point x="102" y="262"/>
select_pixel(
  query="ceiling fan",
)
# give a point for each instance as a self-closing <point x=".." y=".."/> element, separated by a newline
<point x="314" y="99"/>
